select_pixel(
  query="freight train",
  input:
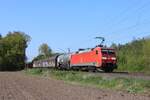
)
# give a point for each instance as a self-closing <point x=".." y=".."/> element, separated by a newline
<point x="97" y="58"/>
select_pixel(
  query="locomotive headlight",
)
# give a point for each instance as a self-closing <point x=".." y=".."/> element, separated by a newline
<point x="104" y="58"/>
<point x="113" y="58"/>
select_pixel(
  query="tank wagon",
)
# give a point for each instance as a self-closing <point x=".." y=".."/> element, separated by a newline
<point x="84" y="59"/>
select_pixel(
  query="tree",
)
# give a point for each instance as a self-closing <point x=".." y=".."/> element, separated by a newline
<point x="0" y="36"/>
<point x="13" y="49"/>
<point x="134" y="56"/>
<point x="113" y="45"/>
<point x="1" y="48"/>
<point x="45" y="50"/>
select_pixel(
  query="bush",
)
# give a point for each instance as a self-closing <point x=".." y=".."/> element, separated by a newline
<point x="134" y="56"/>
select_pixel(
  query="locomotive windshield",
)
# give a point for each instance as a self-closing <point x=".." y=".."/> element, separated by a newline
<point x="108" y="52"/>
<point x="104" y="52"/>
<point x="111" y="52"/>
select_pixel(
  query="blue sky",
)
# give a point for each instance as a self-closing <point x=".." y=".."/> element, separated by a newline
<point x="73" y="24"/>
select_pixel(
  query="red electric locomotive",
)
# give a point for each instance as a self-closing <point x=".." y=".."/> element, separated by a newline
<point x="93" y="59"/>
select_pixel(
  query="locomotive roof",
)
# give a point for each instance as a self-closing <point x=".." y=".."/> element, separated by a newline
<point x="90" y="49"/>
<point x="108" y="48"/>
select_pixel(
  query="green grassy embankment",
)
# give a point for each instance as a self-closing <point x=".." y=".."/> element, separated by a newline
<point x="87" y="79"/>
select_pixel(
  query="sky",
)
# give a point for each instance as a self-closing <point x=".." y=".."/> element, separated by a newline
<point x="74" y="24"/>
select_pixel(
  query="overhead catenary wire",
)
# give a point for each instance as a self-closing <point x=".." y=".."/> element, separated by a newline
<point x="131" y="27"/>
<point x="138" y="22"/>
<point x="140" y="8"/>
<point x="122" y="13"/>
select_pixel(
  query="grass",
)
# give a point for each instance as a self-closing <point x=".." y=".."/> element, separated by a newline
<point x="87" y="79"/>
<point x="136" y="69"/>
<point x="37" y="71"/>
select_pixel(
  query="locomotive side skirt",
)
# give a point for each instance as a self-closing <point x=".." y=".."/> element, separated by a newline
<point x="85" y="64"/>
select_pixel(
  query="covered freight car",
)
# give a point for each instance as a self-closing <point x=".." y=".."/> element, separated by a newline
<point x="49" y="62"/>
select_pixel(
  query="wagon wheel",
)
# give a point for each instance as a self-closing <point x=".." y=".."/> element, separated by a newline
<point x="91" y="69"/>
<point x="59" y="66"/>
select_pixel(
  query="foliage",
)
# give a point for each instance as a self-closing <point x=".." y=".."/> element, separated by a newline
<point x="36" y="71"/>
<point x="134" y="56"/>
<point x="12" y="51"/>
<point x="0" y="36"/>
<point x="88" y="79"/>
<point x="45" y="50"/>
<point x="38" y="57"/>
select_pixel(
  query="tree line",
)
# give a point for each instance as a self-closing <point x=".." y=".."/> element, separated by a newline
<point x="13" y="50"/>
<point x="134" y="56"/>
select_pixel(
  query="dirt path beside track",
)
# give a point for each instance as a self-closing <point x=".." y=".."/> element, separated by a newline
<point x="18" y="86"/>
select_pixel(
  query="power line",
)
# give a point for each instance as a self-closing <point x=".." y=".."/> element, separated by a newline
<point x="138" y="23"/>
<point x="122" y="20"/>
<point x="131" y="27"/>
<point x="122" y="12"/>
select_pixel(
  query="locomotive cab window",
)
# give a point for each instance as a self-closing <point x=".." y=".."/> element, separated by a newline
<point x="96" y="52"/>
<point x="104" y="52"/>
<point x="111" y="52"/>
